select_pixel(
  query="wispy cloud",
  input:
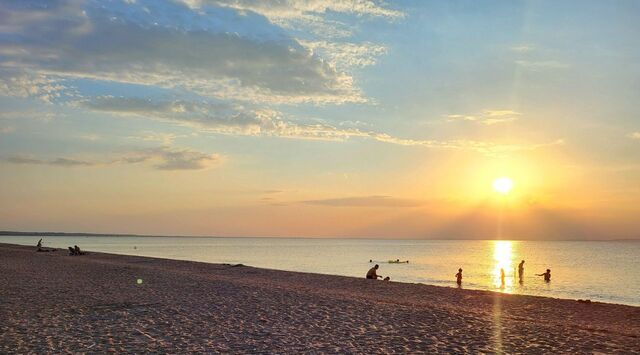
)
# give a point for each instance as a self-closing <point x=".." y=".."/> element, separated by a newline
<point x="635" y="135"/>
<point x="30" y="114"/>
<point x="241" y="120"/>
<point x="541" y="64"/>
<point x="307" y="15"/>
<point x="366" y="201"/>
<point x="161" y="158"/>
<point x="64" y="162"/>
<point x="20" y="84"/>
<point x="344" y="55"/>
<point x="487" y="117"/>
<point x="523" y="48"/>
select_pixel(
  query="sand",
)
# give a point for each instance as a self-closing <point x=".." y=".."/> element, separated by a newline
<point x="55" y="303"/>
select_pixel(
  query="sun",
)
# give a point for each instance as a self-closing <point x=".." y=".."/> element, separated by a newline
<point x="503" y="185"/>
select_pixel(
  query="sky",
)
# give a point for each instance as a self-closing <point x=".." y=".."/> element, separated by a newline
<point x="321" y="118"/>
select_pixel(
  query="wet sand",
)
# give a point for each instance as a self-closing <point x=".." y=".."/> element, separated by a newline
<point x="53" y="303"/>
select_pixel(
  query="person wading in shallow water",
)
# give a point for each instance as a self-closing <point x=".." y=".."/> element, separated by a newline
<point x="459" y="277"/>
<point x="547" y="275"/>
<point x="521" y="270"/>
<point x="372" y="273"/>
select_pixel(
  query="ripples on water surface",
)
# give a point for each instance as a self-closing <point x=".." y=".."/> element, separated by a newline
<point x="604" y="271"/>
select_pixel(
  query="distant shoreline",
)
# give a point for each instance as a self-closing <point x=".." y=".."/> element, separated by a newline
<point x="82" y="234"/>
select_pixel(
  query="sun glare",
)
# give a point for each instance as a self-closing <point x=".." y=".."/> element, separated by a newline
<point x="503" y="185"/>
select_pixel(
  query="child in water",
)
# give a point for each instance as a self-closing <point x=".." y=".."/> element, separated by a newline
<point x="547" y="275"/>
<point x="459" y="277"/>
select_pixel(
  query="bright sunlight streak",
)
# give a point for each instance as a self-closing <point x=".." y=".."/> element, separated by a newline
<point x="502" y="261"/>
<point x="503" y="185"/>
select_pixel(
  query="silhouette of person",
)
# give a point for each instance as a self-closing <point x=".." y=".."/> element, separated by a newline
<point x="372" y="273"/>
<point x="77" y="250"/>
<point x="39" y="243"/>
<point x="521" y="270"/>
<point x="547" y="275"/>
<point x="502" y="277"/>
<point x="459" y="277"/>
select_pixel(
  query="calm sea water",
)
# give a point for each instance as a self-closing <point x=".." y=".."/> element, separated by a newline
<point x="603" y="271"/>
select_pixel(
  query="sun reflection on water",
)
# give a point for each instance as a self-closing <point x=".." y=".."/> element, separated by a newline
<point x="502" y="256"/>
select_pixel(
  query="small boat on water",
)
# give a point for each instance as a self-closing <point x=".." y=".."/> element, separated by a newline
<point x="398" y="261"/>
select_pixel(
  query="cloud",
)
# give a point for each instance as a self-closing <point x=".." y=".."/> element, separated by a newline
<point x="499" y="113"/>
<point x="180" y="159"/>
<point x="241" y="120"/>
<point x="523" y="48"/>
<point x="344" y="55"/>
<point x="17" y="84"/>
<point x="486" y="148"/>
<point x="635" y="135"/>
<point x="223" y="118"/>
<point x="487" y="117"/>
<point x="37" y="115"/>
<point x="73" y="39"/>
<point x="164" y="138"/>
<point x="64" y="162"/>
<point x="541" y="65"/>
<point x="366" y="201"/>
<point x="161" y="158"/>
<point x="309" y="15"/>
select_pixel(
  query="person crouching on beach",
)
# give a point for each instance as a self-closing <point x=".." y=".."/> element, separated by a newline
<point x="372" y="273"/>
<point x="459" y="277"/>
<point x="547" y="275"/>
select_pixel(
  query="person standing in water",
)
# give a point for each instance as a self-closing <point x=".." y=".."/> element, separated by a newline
<point x="547" y="275"/>
<point x="521" y="270"/>
<point x="502" y="277"/>
<point x="459" y="277"/>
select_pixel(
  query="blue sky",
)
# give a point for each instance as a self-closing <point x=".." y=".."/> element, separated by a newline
<point x="353" y="117"/>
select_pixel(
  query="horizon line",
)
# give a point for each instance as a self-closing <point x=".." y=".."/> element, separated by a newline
<point x="92" y="234"/>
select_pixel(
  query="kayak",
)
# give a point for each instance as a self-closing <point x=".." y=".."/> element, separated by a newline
<point x="398" y="262"/>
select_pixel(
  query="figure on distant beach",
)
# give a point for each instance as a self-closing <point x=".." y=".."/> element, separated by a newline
<point x="39" y="243"/>
<point x="75" y="251"/>
<point x="547" y="275"/>
<point x="459" y="277"/>
<point x="502" y="277"/>
<point x="521" y="270"/>
<point x="372" y="273"/>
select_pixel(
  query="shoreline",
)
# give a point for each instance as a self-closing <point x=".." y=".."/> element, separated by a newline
<point x="55" y="302"/>
<point x="582" y="293"/>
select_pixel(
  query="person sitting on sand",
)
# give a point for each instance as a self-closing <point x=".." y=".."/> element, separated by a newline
<point x="372" y="273"/>
<point x="459" y="277"/>
<point x="77" y="250"/>
<point x="547" y="275"/>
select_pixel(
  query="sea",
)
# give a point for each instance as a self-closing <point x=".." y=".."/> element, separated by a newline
<point x="606" y="271"/>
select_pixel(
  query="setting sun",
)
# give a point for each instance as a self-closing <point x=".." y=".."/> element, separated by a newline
<point x="503" y="185"/>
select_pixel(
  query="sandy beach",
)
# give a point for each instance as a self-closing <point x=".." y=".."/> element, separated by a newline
<point x="52" y="303"/>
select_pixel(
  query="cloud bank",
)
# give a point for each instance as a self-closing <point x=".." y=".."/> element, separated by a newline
<point x="161" y="158"/>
